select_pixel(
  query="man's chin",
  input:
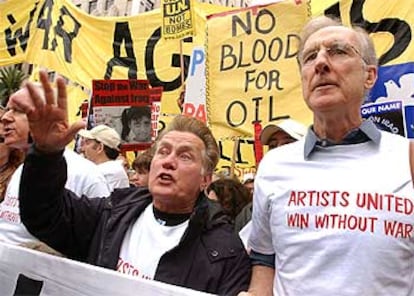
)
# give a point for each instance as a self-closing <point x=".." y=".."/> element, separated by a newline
<point x="16" y="144"/>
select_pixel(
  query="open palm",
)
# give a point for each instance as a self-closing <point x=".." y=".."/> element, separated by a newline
<point x="47" y="115"/>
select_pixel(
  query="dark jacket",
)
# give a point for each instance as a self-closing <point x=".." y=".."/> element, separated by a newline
<point x="209" y="257"/>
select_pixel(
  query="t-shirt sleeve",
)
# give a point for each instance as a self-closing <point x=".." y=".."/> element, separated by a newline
<point x="260" y="239"/>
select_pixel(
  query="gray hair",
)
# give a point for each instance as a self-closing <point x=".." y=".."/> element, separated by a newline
<point x="365" y="42"/>
<point x="192" y="125"/>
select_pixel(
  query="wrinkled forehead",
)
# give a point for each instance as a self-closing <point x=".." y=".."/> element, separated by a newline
<point x="23" y="92"/>
<point x="181" y="138"/>
<point x="331" y="34"/>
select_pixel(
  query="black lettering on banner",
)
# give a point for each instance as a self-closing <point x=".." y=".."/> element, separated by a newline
<point x="239" y="155"/>
<point x="400" y="29"/>
<point x="222" y="156"/>
<point x="22" y="37"/>
<point x="27" y="286"/>
<point x="291" y="38"/>
<point x="175" y="62"/>
<point x="265" y="22"/>
<point x="262" y="80"/>
<point x="161" y="126"/>
<point x="122" y="34"/>
<point x="66" y="36"/>
<point x="271" y="20"/>
<point x="45" y="23"/>
<point x="241" y="110"/>
<point x="256" y="102"/>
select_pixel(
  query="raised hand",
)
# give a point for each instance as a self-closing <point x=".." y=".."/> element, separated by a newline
<point x="47" y="115"/>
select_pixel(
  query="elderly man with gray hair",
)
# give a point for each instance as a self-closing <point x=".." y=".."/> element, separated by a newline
<point x="170" y="232"/>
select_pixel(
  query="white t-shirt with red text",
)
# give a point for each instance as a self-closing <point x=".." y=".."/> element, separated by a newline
<point x="145" y="242"/>
<point x="339" y="223"/>
<point x="83" y="179"/>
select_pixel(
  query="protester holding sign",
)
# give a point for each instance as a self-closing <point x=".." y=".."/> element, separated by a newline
<point x="320" y="226"/>
<point x="171" y="233"/>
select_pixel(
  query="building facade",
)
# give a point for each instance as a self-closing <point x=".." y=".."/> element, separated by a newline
<point x="133" y="7"/>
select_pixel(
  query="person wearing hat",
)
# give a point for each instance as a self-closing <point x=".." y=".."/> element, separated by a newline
<point x="101" y="146"/>
<point x="281" y="133"/>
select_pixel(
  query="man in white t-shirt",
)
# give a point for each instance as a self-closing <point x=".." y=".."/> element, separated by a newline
<point x="101" y="146"/>
<point x="169" y="232"/>
<point x="83" y="177"/>
<point x="320" y="227"/>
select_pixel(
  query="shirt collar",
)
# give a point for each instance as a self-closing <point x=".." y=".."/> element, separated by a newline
<point x="367" y="131"/>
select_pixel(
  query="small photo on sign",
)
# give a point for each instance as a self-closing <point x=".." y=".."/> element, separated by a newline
<point x="136" y="124"/>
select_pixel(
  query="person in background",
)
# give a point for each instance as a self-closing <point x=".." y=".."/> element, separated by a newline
<point x="141" y="166"/>
<point x="83" y="176"/>
<point x="136" y="124"/>
<point x="283" y="132"/>
<point x="320" y="226"/>
<point x="181" y="97"/>
<point x="245" y="214"/>
<point x="248" y="182"/>
<point x="231" y="194"/>
<point x="273" y="135"/>
<point x="101" y="146"/>
<point x="10" y="159"/>
<point x="170" y="232"/>
<point x="124" y="162"/>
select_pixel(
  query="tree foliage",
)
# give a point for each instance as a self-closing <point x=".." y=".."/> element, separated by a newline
<point x="11" y="78"/>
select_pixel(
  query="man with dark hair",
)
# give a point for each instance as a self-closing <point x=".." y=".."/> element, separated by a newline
<point x="170" y="232"/>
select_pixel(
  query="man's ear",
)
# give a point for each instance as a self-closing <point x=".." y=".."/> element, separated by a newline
<point x="100" y="148"/>
<point x="371" y="76"/>
<point x="205" y="182"/>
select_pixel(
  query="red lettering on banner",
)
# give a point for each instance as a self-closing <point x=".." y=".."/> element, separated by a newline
<point x="190" y="109"/>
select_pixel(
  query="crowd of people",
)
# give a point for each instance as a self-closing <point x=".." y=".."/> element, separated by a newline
<point x="299" y="226"/>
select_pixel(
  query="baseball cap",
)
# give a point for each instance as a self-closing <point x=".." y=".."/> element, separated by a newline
<point x="104" y="134"/>
<point x="247" y="178"/>
<point x="293" y="128"/>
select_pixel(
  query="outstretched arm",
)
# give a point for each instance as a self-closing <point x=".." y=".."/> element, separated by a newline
<point x="51" y="213"/>
<point x="47" y="115"/>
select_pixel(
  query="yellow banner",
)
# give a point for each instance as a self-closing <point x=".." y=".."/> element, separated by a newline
<point x="252" y="70"/>
<point x="252" y="76"/>
<point x="239" y="90"/>
<point x="177" y="19"/>
<point x="17" y="20"/>
<point x="82" y="47"/>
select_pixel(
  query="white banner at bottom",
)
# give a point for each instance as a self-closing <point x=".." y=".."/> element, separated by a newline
<point x="28" y="272"/>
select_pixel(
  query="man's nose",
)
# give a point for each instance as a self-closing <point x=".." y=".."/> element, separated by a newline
<point x="7" y="116"/>
<point x="170" y="161"/>
<point x="322" y="61"/>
